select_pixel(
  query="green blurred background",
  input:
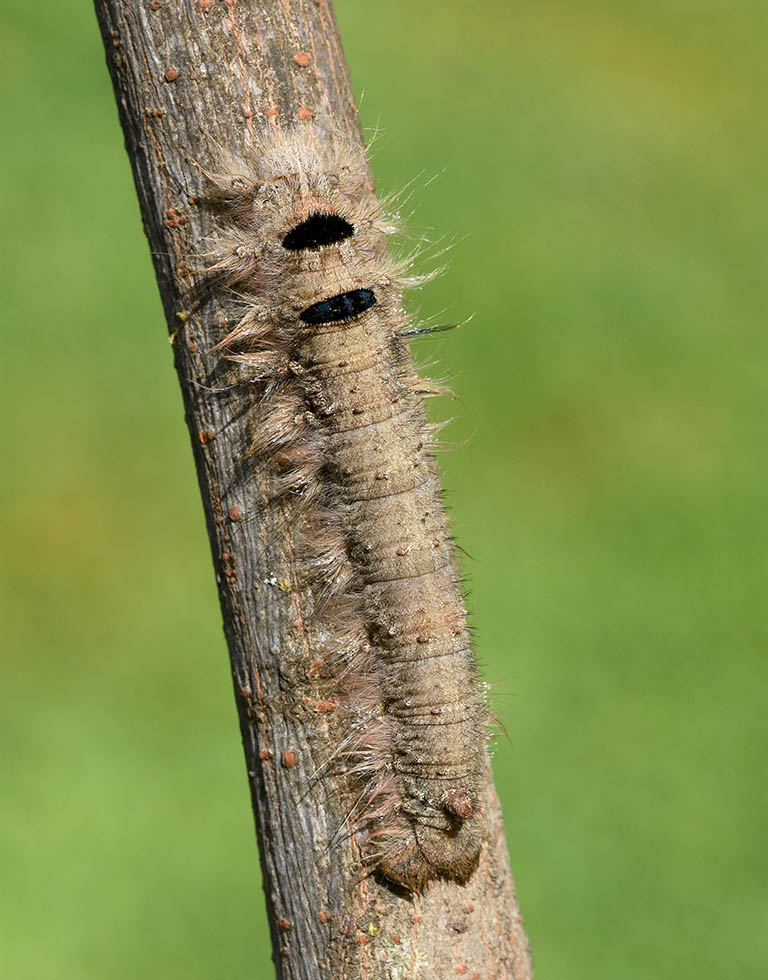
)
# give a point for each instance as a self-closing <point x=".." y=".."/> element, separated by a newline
<point x="602" y="169"/>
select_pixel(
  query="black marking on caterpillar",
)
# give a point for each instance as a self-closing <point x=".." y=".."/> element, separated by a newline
<point x="343" y="423"/>
<point x="341" y="307"/>
<point x="318" y="230"/>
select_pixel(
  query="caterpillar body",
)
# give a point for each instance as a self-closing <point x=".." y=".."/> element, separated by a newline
<point x="342" y="419"/>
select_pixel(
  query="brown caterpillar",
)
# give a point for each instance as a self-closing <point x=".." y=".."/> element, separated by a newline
<point x="343" y="419"/>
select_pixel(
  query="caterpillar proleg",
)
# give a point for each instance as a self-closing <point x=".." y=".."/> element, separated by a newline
<point x="343" y="423"/>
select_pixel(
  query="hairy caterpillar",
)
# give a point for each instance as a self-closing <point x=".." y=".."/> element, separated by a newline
<point x="343" y="421"/>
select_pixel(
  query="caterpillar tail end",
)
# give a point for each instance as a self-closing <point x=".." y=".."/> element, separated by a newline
<point x="426" y="854"/>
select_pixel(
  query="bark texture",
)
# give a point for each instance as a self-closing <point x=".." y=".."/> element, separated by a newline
<point x="189" y="74"/>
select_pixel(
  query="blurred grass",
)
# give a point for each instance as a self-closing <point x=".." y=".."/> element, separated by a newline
<point x="601" y="168"/>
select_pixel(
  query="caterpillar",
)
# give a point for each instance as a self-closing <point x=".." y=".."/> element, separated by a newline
<point x="343" y="424"/>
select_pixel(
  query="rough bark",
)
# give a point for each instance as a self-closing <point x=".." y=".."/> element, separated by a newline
<point x="188" y="74"/>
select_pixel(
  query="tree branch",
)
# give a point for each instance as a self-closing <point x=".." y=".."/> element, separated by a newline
<point x="189" y="74"/>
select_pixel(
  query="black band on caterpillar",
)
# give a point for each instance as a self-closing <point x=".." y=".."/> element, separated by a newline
<point x="318" y="230"/>
<point x="341" y="307"/>
<point x="343" y="423"/>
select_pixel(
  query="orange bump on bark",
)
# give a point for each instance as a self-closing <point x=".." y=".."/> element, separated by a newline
<point x="271" y="113"/>
<point x="174" y="219"/>
<point x="265" y="754"/>
<point x="205" y="436"/>
<point x="322" y="916"/>
<point x="396" y="939"/>
<point x="460" y="970"/>
<point x="363" y="940"/>
<point x="415" y="919"/>
<point x="205" y="4"/>
<point x="303" y="58"/>
<point x="289" y="759"/>
<point x="170" y="75"/>
<point x="285" y="925"/>
<point x="234" y="513"/>
<point x="325" y="706"/>
<point x="305" y="113"/>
